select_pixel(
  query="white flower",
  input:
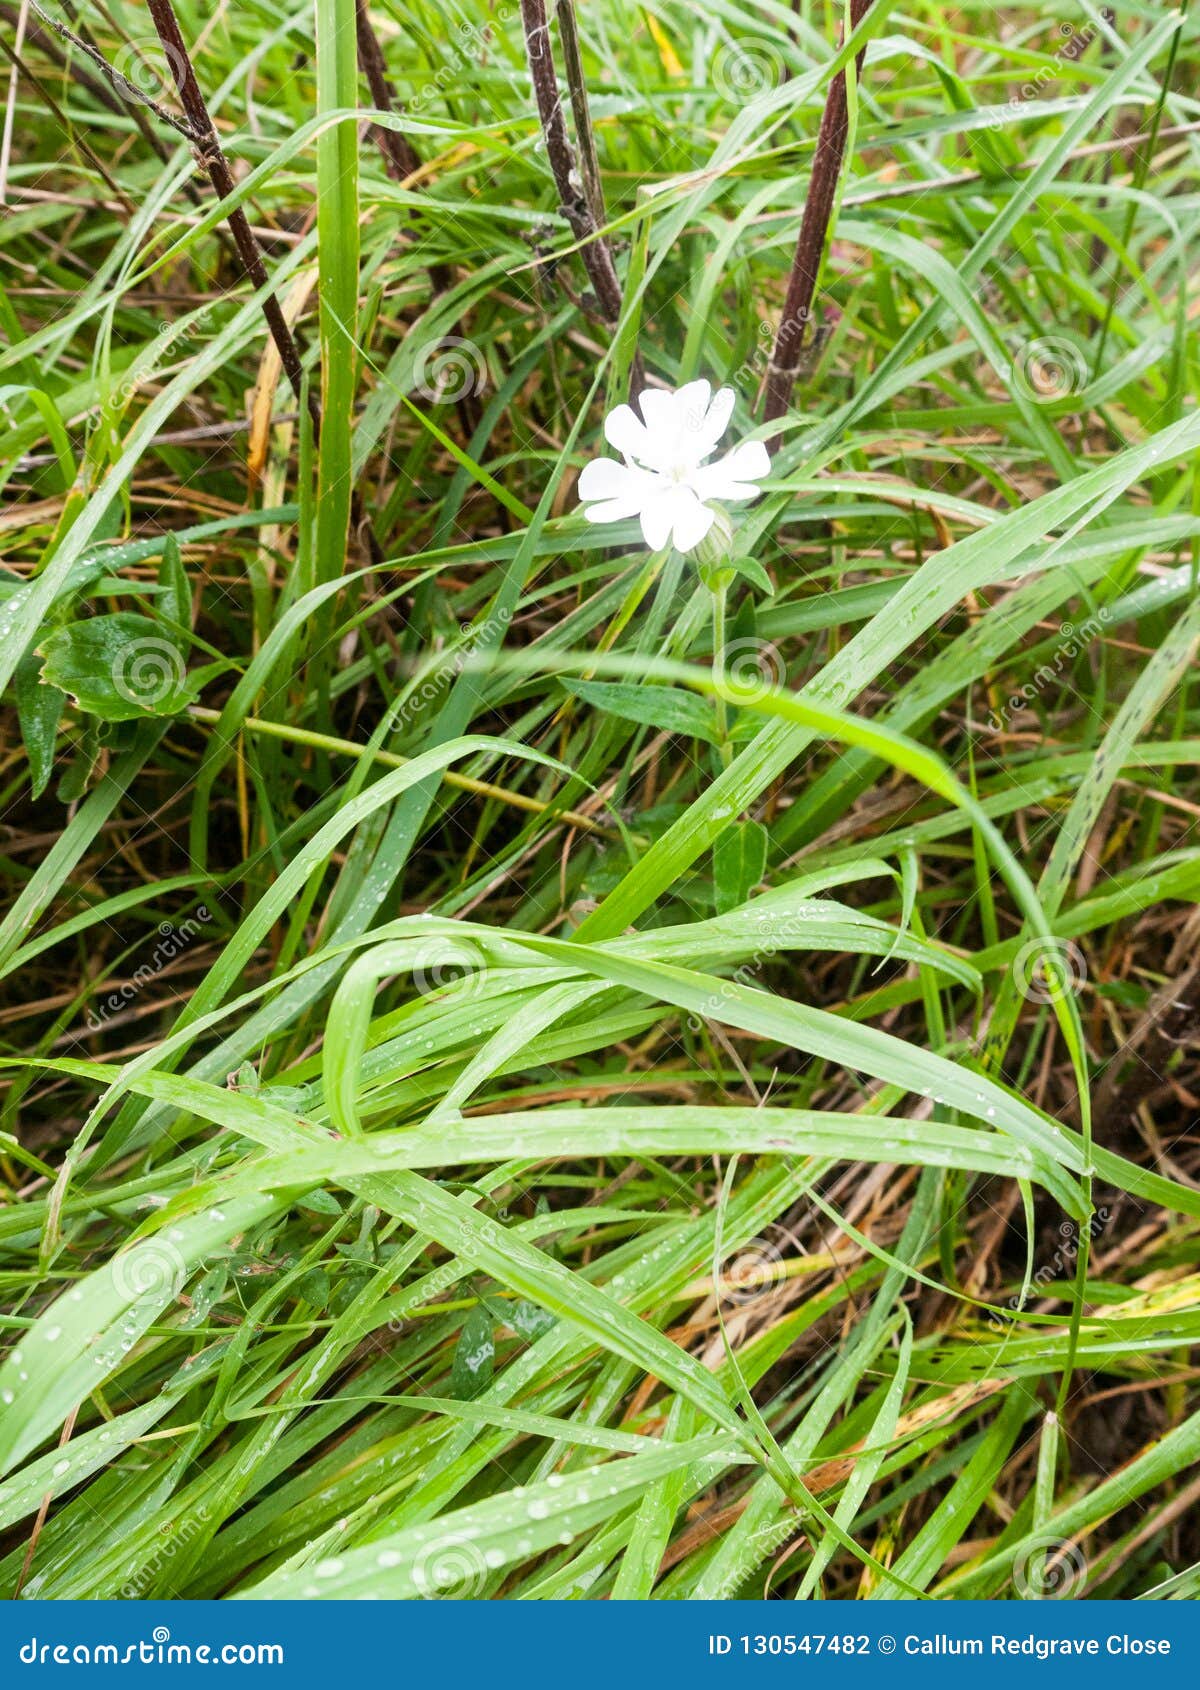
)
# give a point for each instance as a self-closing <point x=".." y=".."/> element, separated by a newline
<point x="664" y="480"/>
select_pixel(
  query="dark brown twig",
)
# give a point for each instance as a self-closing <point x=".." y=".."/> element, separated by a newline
<point x="785" y="362"/>
<point x="589" y="164"/>
<point x="207" y="148"/>
<point x="594" y="249"/>
<point x="121" y="85"/>
<point x="196" y="127"/>
<point x="35" y="36"/>
<point x="401" y="161"/>
<point x="400" y="158"/>
<point x="399" y="154"/>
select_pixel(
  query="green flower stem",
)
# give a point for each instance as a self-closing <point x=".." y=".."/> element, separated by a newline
<point x="720" y="594"/>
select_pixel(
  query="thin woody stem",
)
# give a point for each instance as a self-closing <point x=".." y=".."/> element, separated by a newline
<point x="197" y="129"/>
<point x="120" y="84"/>
<point x="578" y="210"/>
<point x="400" y="160"/>
<point x="207" y="147"/>
<point x="399" y="154"/>
<point x="785" y="362"/>
<point x="589" y="164"/>
<point x="114" y="91"/>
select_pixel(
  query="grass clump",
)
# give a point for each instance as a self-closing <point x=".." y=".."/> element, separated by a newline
<point x="535" y="1068"/>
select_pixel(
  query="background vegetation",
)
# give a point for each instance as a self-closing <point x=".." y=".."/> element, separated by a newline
<point x="500" y="1099"/>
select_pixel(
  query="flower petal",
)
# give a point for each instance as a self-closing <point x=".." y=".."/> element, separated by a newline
<point x="626" y="433"/>
<point x="715" y="420"/>
<point x="622" y="489"/>
<point x="661" y="430"/>
<point x="611" y="510"/>
<point x="660" y="514"/>
<point x="734" y="475"/>
<point x="692" y="522"/>
<point x="691" y="405"/>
